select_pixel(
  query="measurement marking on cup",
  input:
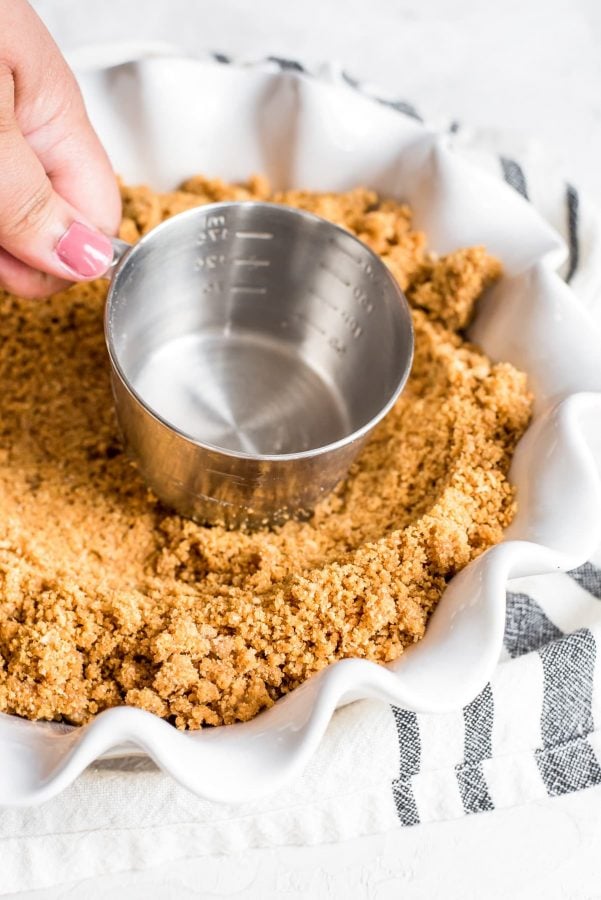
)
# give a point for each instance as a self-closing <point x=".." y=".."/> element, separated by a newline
<point x="255" y="235"/>
<point x="346" y="251"/>
<point x="363" y="299"/>
<point x="308" y="322"/>
<point x="211" y="287"/>
<point x="211" y="261"/>
<point x="323" y="300"/>
<point x="363" y="264"/>
<point x="334" y="342"/>
<point x="349" y="320"/>
<point x="253" y="263"/>
<point x="352" y="324"/>
<point x="335" y="275"/>
<point x="247" y="289"/>
<point x="211" y="236"/>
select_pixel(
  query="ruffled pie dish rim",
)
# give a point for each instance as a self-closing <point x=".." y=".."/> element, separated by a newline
<point x="530" y="318"/>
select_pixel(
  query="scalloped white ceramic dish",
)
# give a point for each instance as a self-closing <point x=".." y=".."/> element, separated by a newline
<point x="165" y="118"/>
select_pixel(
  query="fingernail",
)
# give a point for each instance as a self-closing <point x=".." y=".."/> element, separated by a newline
<point x="85" y="252"/>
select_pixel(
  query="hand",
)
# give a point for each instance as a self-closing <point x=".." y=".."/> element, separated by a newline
<point x="58" y="195"/>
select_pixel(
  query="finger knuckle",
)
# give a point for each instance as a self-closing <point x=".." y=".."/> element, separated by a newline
<point x="30" y="214"/>
<point x="7" y="123"/>
<point x="7" y="106"/>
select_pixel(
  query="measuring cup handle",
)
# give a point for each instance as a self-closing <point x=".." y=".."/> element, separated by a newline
<point x="120" y="248"/>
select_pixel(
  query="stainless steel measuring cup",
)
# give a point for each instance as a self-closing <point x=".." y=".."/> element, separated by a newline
<point x="253" y="348"/>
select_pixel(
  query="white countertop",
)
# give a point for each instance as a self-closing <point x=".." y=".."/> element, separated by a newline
<point x="525" y="69"/>
<point x="544" y="850"/>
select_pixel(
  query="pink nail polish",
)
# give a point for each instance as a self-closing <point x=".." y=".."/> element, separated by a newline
<point x="86" y="252"/>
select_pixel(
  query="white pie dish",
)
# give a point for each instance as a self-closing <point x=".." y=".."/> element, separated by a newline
<point x="163" y="119"/>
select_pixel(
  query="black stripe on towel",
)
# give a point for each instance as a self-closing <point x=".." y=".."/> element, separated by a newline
<point x="402" y="106"/>
<point x="566" y="760"/>
<point x="527" y="627"/>
<point x="572" y="204"/>
<point x="288" y="65"/>
<point x="514" y="175"/>
<point x="588" y="577"/>
<point x="352" y="82"/>
<point x="478" y="721"/>
<point x="410" y="751"/>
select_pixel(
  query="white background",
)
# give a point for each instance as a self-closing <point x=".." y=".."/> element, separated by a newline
<point x="531" y="67"/>
<point x="523" y="70"/>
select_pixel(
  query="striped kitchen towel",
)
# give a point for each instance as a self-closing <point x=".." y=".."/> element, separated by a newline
<point x="533" y="732"/>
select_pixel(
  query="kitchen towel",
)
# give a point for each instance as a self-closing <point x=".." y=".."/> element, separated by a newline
<point x="532" y="732"/>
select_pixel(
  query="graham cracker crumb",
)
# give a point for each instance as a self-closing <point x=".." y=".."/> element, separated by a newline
<point x="108" y="598"/>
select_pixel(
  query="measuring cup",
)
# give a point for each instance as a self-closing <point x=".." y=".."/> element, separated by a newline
<point x="253" y="348"/>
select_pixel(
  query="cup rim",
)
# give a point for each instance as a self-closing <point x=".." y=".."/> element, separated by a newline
<point x="290" y="211"/>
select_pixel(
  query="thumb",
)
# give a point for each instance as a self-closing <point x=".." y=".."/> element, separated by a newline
<point x="37" y="226"/>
